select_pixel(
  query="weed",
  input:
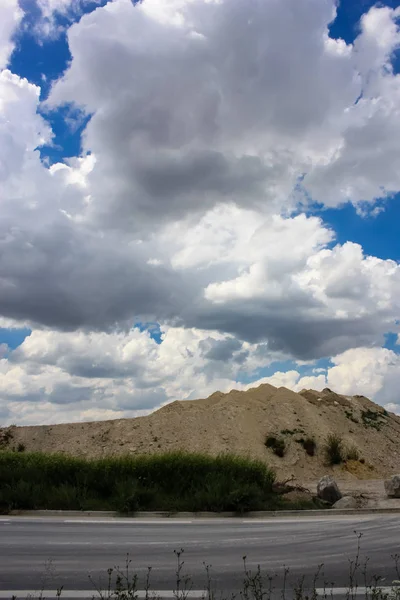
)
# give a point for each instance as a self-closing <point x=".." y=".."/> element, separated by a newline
<point x="21" y="447"/>
<point x="6" y="435"/>
<point x="352" y="453"/>
<point x="124" y="584"/>
<point x="277" y="445"/>
<point x="333" y="449"/>
<point x="372" y="419"/>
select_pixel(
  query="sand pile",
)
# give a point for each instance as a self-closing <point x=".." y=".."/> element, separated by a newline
<point x="239" y="422"/>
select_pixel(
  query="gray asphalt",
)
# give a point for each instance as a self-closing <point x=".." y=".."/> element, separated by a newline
<point x="79" y="547"/>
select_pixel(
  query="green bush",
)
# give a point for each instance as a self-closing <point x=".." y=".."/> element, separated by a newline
<point x="373" y="419"/>
<point x="172" y="482"/>
<point x="334" y="450"/>
<point x="277" y="445"/>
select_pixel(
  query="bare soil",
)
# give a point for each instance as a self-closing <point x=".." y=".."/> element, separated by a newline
<point x="239" y="422"/>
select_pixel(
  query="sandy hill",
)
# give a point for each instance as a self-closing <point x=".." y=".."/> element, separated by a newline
<point x="239" y="422"/>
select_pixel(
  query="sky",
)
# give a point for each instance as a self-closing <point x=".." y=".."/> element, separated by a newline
<point x="196" y="195"/>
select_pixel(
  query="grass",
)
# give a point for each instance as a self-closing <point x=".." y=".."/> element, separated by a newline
<point x="334" y="449"/>
<point x="353" y="453"/>
<point x="166" y="482"/>
<point x="277" y="445"/>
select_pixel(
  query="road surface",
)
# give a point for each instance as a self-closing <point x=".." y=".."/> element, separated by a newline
<point x="79" y="547"/>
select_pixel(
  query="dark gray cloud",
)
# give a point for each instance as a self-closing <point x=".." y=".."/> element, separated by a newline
<point x="219" y="349"/>
<point x="68" y="277"/>
<point x="292" y="333"/>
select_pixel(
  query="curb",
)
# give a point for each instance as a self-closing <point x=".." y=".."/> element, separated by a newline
<point x="204" y="515"/>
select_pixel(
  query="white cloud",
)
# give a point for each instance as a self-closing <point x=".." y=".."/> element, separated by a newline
<point x="10" y="17"/>
<point x="363" y="164"/>
<point x="48" y="25"/>
<point x="98" y="374"/>
<point x="210" y="120"/>
<point x="369" y="371"/>
<point x="205" y="120"/>
<point x="261" y="278"/>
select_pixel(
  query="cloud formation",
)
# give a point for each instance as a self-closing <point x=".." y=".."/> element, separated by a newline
<point x="10" y="17"/>
<point x="212" y="125"/>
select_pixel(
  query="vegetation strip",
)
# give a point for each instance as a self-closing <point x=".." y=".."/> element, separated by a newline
<point x="174" y="482"/>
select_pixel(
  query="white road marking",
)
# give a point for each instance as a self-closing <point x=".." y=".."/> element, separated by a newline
<point x="141" y="594"/>
<point x="360" y="591"/>
<point x="90" y="521"/>
<point x="170" y="595"/>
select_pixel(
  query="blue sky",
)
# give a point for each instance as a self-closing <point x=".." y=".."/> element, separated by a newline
<point x="261" y="336"/>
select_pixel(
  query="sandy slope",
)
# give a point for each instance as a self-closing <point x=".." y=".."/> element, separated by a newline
<point x="238" y="422"/>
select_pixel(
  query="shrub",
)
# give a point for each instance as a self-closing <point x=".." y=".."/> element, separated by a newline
<point x="371" y="418"/>
<point x="353" y="453"/>
<point x="277" y="445"/>
<point x="334" y="449"/>
<point x="6" y="435"/>
<point x="21" y="447"/>
<point x="172" y="482"/>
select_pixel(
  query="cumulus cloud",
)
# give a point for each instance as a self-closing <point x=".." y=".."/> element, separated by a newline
<point x="119" y="374"/>
<point x="10" y="17"/>
<point x="54" y="269"/>
<point x="260" y="278"/>
<point x="177" y="150"/>
<point x="232" y="101"/>
<point x="54" y="377"/>
<point x="372" y="372"/>
<point x="49" y="24"/>
<point x="304" y="298"/>
<point x="210" y="122"/>
<point x="369" y="371"/>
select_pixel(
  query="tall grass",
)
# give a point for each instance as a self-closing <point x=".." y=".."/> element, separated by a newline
<point x="334" y="449"/>
<point x="168" y="482"/>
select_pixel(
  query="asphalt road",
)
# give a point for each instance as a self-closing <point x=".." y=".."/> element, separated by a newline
<point x="79" y="547"/>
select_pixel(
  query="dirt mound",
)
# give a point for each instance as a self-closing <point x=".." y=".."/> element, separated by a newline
<point x="239" y="422"/>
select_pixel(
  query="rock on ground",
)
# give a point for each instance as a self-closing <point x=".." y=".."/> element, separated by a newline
<point x="392" y="487"/>
<point x="346" y="502"/>
<point x="327" y="489"/>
